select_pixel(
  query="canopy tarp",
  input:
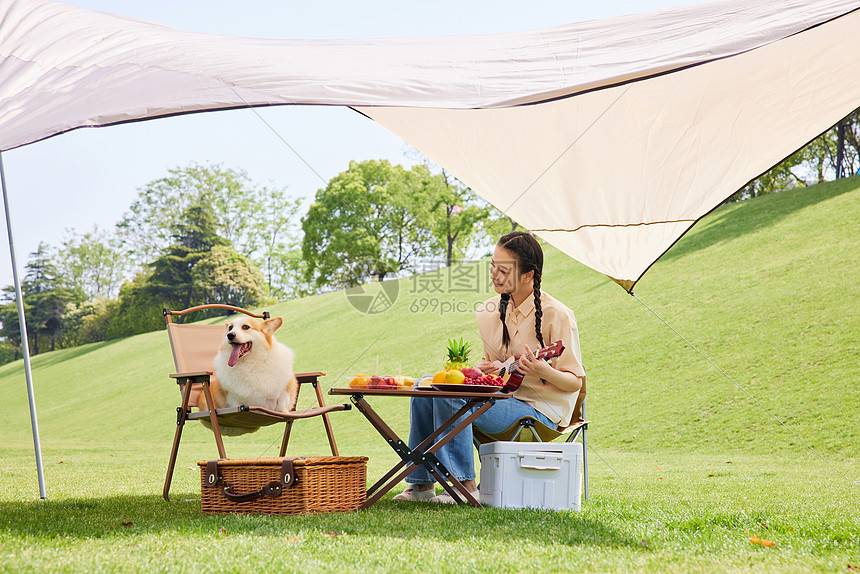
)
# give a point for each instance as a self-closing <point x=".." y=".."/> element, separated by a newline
<point x="609" y="139"/>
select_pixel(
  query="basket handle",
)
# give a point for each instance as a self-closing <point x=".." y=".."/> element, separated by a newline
<point x="271" y="490"/>
<point x="287" y="479"/>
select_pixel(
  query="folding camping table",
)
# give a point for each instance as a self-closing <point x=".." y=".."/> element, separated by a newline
<point x="423" y="454"/>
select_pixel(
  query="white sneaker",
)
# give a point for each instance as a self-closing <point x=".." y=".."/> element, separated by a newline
<point x="414" y="495"/>
<point x="446" y="498"/>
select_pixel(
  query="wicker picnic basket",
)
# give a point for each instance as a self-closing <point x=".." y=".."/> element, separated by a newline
<point x="283" y="485"/>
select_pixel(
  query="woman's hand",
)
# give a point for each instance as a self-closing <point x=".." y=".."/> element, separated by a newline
<point x="530" y="365"/>
<point x="488" y="367"/>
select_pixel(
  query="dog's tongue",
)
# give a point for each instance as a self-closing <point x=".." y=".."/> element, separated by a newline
<point x="237" y="352"/>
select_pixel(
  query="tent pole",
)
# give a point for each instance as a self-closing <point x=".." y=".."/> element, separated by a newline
<point x="25" y="346"/>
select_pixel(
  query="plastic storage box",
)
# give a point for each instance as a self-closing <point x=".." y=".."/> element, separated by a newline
<point x="531" y="475"/>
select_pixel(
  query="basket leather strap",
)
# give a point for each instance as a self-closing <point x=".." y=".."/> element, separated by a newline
<point x="287" y="479"/>
<point x="288" y="474"/>
<point x="212" y="476"/>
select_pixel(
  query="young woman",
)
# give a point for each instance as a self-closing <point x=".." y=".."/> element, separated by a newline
<point x="513" y="325"/>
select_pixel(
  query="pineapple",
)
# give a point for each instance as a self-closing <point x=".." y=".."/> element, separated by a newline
<point x="458" y="354"/>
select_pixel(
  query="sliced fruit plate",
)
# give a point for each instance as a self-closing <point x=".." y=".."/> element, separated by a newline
<point x="382" y="382"/>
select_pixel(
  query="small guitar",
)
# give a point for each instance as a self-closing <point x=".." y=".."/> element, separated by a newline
<point x="514" y="378"/>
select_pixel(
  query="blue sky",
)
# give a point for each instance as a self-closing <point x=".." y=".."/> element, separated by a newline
<point x="90" y="176"/>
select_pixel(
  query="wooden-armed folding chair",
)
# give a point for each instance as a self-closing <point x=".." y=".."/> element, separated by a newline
<point x="539" y="432"/>
<point x="194" y="348"/>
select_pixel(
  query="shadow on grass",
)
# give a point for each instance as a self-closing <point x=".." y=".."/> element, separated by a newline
<point x="144" y="516"/>
<point x="722" y="226"/>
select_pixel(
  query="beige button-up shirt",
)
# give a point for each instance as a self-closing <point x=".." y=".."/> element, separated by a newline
<point x="557" y="322"/>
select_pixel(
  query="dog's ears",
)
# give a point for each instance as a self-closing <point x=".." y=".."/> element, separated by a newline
<point x="272" y="325"/>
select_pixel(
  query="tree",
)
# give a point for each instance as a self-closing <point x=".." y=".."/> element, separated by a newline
<point x="10" y="329"/>
<point x="371" y="220"/>
<point x="46" y="301"/>
<point x="290" y="277"/>
<point x="236" y="203"/>
<point x="460" y="214"/>
<point x="94" y="318"/>
<point x="467" y="225"/>
<point x="172" y="279"/>
<point x="200" y="267"/>
<point x="850" y="163"/>
<point x="279" y="242"/>
<point x="137" y="309"/>
<point x="92" y="265"/>
<point x="45" y="295"/>
<point x="227" y="277"/>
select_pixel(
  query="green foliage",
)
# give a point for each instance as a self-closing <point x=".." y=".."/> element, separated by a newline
<point x="46" y="301"/>
<point x="376" y="219"/>
<point x="10" y="350"/>
<point x="224" y="276"/>
<point x="460" y="214"/>
<point x="137" y="311"/>
<point x="370" y="221"/>
<point x="199" y="268"/>
<point x="259" y="222"/>
<point x="172" y="279"/>
<point x="92" y="265"/>
<point x="94" y="318"/>
<point x="278" y="253"/>
<point x="149" y="226"/>
<point x="289" y="277"/>
<point x="10" y="329"/>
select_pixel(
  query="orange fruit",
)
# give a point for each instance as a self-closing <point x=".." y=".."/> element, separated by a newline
<point x="362" y="381"/>
<point x="439" y="378"/>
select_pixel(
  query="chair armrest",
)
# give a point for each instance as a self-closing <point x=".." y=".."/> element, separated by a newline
<point x="189" y="375"/>
<point x="309" y="377"/>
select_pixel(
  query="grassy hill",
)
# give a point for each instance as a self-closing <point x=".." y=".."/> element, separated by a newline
<point x="768" y="289"/>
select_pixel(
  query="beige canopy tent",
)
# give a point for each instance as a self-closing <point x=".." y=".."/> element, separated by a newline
<point x="609" y="139"/>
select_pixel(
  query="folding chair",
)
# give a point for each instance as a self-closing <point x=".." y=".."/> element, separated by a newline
<point x="539" y="432"/>
<point x="194" y="348"/>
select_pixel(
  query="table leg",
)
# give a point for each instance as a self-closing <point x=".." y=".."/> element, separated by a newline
<point x="421" y="455"/>
<point x="402" y="449"/>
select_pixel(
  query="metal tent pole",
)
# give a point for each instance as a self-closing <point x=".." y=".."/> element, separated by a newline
<point x="22" y="323"/>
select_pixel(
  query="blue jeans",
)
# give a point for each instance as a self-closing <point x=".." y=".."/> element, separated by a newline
<point x="427" y="414"/>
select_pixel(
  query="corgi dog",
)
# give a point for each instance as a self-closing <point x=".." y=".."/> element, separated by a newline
<point x="252" y="368"/>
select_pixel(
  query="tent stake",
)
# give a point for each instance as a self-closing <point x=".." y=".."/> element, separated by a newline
<point x="25" y="346"/>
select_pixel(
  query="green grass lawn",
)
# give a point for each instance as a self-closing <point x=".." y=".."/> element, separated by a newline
<point x="685" y="467"/>
<point x="678" y="513"/>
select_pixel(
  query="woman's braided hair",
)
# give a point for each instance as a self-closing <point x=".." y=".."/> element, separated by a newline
<point x="529" y="256"/>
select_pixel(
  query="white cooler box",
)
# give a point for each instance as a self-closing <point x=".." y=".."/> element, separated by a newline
<point x="531" y="475"/>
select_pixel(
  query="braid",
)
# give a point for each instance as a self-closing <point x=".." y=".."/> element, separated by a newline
<point x="503" y="305"/>
<point x="529" y="257"/>
<point x="538" y="310"/>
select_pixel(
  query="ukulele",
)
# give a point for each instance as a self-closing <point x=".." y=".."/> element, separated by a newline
<point x="514" y="378"/>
